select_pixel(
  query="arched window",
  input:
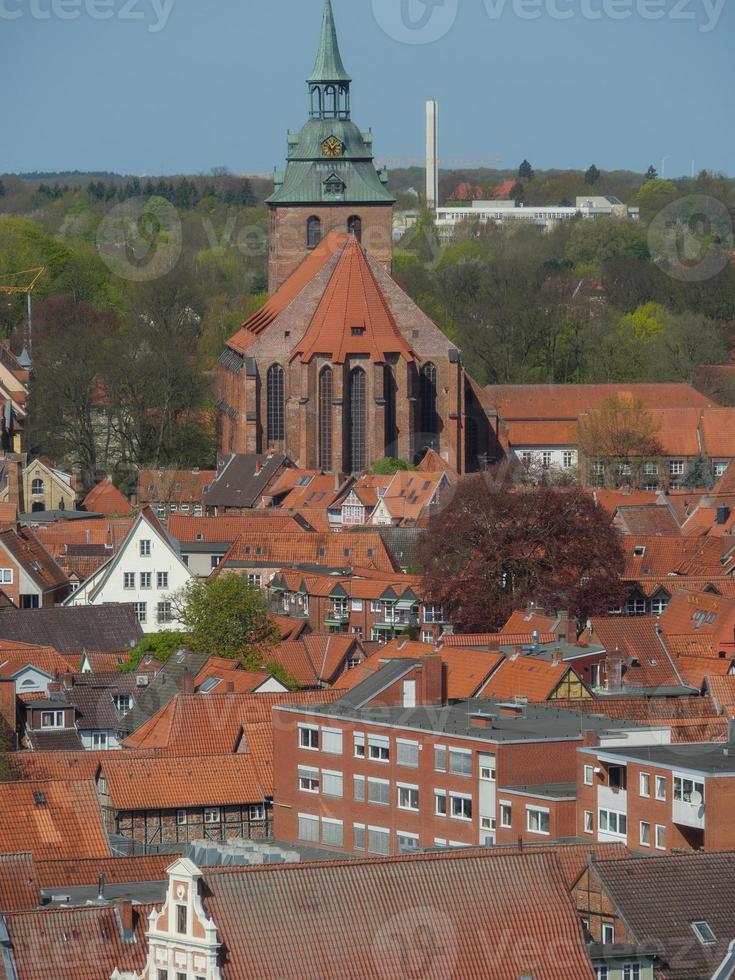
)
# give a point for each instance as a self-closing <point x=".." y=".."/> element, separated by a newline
<point x="391" y="428"/>
<point x="37" y="486"/>
<point x="429" y="420"/>
<point x="313" y="232"/>
<point x="330" y="101"/>
<point x="358" y="421"/>
<point x="276" y="404"/>
<point x="325" y="419"/>
<point x="354" y="226"/>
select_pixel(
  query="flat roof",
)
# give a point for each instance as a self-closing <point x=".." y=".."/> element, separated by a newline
<point x="551" y="791"/>
<point x="710" y="758"/>
<point x="485" y="719"/>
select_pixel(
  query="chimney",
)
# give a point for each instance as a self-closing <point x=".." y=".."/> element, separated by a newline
<point x="535" y="636"/>
<point x="101" y="887"/>
<point x="230" y="687"/>
<point x="15" y="484"/>
<point x="187" y="683"/>
<point x="562" y="626"/>
<point x="433" y="680"/>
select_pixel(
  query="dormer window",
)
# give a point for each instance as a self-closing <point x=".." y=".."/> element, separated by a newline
<point x="334" y="187"/>
<point x="358" y="331"/>
<point x="704" y="933"/>
<point x="639" y="550"/>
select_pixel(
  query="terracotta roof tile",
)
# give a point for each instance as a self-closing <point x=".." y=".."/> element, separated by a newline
<point x="635" y="639"/>
<point x="287" y="293"/>
<point x="57" y="766"/>
<point x="14" y="658"/>
<point x="52" y="819"/>
<point x="168" y="782"/>
<point x="408" y="897"/>
<point x="528" y="620"/>
<point x="570" y="401"/>
<point x="75" y="944"/>
<point x="227" y="529"/>
<point x="664" y="556"/>
<point x="646" y="519"/>
<point x="93" y="531"/>
<point x="173" y="486"/>
<point x="352" y="316"/>
<point x="409" y="494"/>
<point x="493" y="641"/>
<point x="105" y="498"/>
<point x="212" y="724"/>
<point x="75" y="872"/>
<point x="466" y="669"/>
<point x="19" y="885"/>
<point x="526" y="677"/>
<point x="36" y="561"/>
<point x="343" y="550"/>
<point x="721" y="690"/>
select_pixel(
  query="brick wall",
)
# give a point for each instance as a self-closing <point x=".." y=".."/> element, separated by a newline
<point x="154" y="827"/>
<point x="288" y="246"/>
<point x="562" y="818"/>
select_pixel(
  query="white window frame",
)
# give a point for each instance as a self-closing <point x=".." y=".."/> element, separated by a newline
<point x="373" y="781"/>
<point x="212" y="814"/>
<point x="310" y="820"/>
<point x="506" y="808"/>
<point x="145" y="547"/>
<point x="607" y="817"/>
<point x="128" y="580"/>
<point x="645" y="785"/>
<point x="409" y="792"/>
<point x="359" y="745"/>
<point x="589" y="822"/>
<point x="440" y="750"/>
<point x="308" y="779"/>
<point x="407" y="744"/>
<point x="641" y="833"/>
<point x="181" y="818"/>
<point x="608" y="930"/>
<point x="305" y="741"/>
<point x="359" y="827"/>
<point x="589" y="775"/>
<point x="146" y="579"/>
<point x="541" y="812"/>
<point x="660" y="783"/>
<point x="384" y="833"/>
<point x="464" y="754"/>
<point x="334" y="823"/>
<point x="662" y="828"/>
<point x="378" y="748"/>
<point x="162" y="580"/>
<point x="460" y="798"/>
<point x="440" y="802"/>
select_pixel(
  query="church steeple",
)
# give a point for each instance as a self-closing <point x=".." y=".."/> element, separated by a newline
<point x="329" y="82"/>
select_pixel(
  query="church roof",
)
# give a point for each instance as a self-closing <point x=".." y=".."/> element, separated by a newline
<point x="353" y="316"/>
<point x="329" y="66"/>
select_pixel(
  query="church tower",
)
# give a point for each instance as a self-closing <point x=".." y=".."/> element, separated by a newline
<point x="330" y="182"/>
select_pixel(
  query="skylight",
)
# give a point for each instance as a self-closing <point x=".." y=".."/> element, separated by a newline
<point x="703" y="933"/>
<point x="206" y="686"/>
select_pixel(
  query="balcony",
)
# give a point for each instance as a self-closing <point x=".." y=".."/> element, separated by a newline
<point x="688" y="814"/>
<point x="612" y="798"/>
<point x="336" y="616"/>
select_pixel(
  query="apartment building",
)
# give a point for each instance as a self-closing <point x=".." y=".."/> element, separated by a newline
<point x="390" y="768"/>
<point x="659" y="798"/>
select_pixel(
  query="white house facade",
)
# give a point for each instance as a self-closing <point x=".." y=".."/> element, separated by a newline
<point x="146" y="571"/>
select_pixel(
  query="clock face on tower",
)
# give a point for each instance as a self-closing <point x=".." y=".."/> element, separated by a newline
<point x="332" y="147"/>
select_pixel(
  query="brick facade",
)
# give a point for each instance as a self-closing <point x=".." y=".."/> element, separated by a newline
<point x="288" y="241"/>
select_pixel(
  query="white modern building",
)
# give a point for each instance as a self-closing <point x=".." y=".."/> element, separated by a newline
<point x="507" y="212"/>
<point x="146" y="571"/>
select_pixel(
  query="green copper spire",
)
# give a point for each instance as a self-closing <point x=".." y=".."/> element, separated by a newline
<point x="329" y="66"/>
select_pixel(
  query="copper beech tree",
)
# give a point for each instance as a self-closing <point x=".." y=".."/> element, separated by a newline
<point x="494" y="548"/>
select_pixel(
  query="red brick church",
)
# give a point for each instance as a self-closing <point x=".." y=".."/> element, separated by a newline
<point x="340" y="367"/>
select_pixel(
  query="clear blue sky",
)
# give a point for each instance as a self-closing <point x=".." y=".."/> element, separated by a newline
<point x="222" y="80"/>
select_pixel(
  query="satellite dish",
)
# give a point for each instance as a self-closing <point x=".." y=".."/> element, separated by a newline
<point x="696" y="798"/>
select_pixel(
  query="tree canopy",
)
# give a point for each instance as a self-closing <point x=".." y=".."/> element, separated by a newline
<point x="493" y="549"/>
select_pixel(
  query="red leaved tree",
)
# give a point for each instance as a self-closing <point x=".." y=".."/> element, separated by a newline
<point x="494" y="548"/>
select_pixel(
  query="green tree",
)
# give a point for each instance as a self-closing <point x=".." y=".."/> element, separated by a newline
<point x="525" y="171"/>
<point x="2" y="189"/>
<point x="159" y="645"/>
<point x="390" y="466"/>
<point x="518" y="192"/>
<point x="651" y="173"/>
<point x="592" y="175"/>
<point x="654" y="195"/>
<point x="622" y="436"/>
<point x="227" y="616"/>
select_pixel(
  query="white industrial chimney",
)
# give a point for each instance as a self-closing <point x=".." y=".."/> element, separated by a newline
<point x="432" y="155"/>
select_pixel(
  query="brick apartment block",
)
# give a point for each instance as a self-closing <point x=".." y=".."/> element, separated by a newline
<point x="390" y="767"/>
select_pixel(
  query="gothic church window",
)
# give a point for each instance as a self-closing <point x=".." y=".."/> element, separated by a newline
<point x="313" y="232"/>
<point x="276" y="404"/>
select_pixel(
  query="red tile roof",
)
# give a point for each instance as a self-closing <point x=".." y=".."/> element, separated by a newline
<point x="352" y="301"/>
<point x="668" y="556"/>
<point x="65" y="766"/>
<point x="227" y="529"/>
<point x="528" y="620"/>
<point x="19" y="885"/>
<point x="200" y="724"/>
<point x="51" y="819"/>
<point x="15" y="656"/>
<point x="722" y="691"/>
<point x="343" y="550"/>
<point x="409" y="494"/>
<point x="635" y="638"/>
<point x="36" y="561"/>
<point x="526" y="677"/>
<point x="168" y="782"/>
<point x="403" y="913"/>
<point x="314" y="262"/>
<point x="109" y="531"/>
<point x="466" y="669"/>
<point x="493" y="641"/>
<point x="75" y="944"/>
<point x="74" y="872"/>
<point x="105" y="498"/>
<point x="570" y="401"/>
<point x="173" y="486"/>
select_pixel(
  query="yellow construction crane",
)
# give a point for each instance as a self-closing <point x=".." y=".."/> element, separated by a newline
<point x="23" y="282"/>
